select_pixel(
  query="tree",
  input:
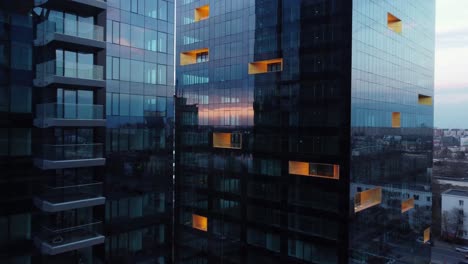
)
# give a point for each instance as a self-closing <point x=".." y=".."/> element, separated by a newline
<point x="452" y="224"/>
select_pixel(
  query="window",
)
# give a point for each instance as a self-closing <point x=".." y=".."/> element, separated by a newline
<point x="227" y="140"/>
<point x="330" y="171"/>
<point x="367" y="199"/>
<point x="202" y="57"/>
<point x="199" y="222"/>
<point x="407" y="205"/>
<point x="265" y="66"/>
<point x="428" y="198"/>
<point x="115" y="32"/>
<point x="460" y="202"/>
<point x="150" y="39"/>
<point x="137" y="37"/>
<point x="124" y="34"/>
<point x="424" y="99"/>
<point x="274" y="67"/>
<point x="162" y="42"/>
<point x="396" y="119"/>
<point x="427" y="234"/>
<point x="416" y="197"/>
<point x="202" y="13"/>
<point x="394" y="23"/>
<point x="194" y="56"/>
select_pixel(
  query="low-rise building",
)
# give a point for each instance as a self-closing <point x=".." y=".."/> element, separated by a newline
<point x="453" y="207"/>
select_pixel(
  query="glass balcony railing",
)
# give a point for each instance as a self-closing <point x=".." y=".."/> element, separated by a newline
<point x="72" y="70"/>
<point x="69" y="111"/>
<point x="72" y="152"/>
<point x="55" y="236"/>
<point x="62" y="194"/>
<point x="47" y="29"/>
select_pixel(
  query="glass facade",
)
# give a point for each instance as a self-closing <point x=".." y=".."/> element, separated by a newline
<point x="303" y="131"/>
<point x="391" y="130"/>
<point x="16" y="163"/>
<point x="139" y="133"/>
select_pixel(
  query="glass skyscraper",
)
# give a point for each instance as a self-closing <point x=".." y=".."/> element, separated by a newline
<point x="293" y="131"/>
<point x="303" y="131"/>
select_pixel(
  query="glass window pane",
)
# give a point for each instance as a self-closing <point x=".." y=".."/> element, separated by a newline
<point x="124" y="104"/>
<point x="115" y="32"/>
<point x="124" y="69"/>
<point x="162" y="71"/>
<point x="136" y="71"/>
<point x="115" y="68"/>
<point x="124" y="34"/>
<point x="150" y="39"/>
<point x="162" y="42"/>
<point x="136" y="105"/>
<point x="138" y="37"/>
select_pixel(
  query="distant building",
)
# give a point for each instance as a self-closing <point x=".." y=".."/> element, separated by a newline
<point x="450" y="141"/>
<point x="454" y="205"/>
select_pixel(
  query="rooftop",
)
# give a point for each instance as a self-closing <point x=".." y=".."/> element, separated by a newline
<point x="456" y="192"/>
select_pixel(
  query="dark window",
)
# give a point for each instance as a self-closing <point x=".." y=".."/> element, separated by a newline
<point x="202" y="57"/>
<point x="274" y="67"/>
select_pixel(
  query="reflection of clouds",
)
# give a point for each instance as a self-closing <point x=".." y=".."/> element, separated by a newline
<point x="238" y="115"/>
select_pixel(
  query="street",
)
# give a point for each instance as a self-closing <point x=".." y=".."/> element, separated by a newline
<point x="444" y="253"/>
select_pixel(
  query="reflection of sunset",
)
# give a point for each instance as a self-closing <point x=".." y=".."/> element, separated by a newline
<point x="239" y="115"/>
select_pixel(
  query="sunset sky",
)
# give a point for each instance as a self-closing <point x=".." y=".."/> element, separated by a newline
<point x="451" y="65"/>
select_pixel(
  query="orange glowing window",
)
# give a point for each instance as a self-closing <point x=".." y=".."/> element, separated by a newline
<point x="194" y="56"/>
<point x="407" y="205"/>
<point x="227" y="140"/>
<point x="202" y="13"/>
<point x="329" y="171"/>
<point x="367" y="199"/>
<point x="427" y="234"/>
<point x="199" y="222"/>
<point x="394" y="23"/>
<point x="396" y="119"/>
<point x="424" y="99"/>
<point x="265" y="66"/>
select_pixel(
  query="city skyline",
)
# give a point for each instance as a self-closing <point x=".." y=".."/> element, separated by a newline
<point x="451" y="84"/>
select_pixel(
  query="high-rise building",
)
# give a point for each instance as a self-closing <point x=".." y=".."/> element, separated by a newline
<point x="86" y="131"/>
<point x="303" y="131"/>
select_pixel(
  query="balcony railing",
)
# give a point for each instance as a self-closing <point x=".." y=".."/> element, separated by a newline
<point x="47" y="29"/>
<point x="69" y="111"/>
<point x="53" y="194"/>
<point x="73" y="70"/>
<point x="53" y="240"/>
<point x="72" y="152"/>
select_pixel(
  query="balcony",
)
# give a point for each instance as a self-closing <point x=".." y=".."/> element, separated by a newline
<point x="83" y="36"/>
<point x="83" y="7"/>
<point x="53" y="241"/>
<point x="66" y="115"/>
<point x="72" y="74"/>
<point x="56" y="199"/>
<point x="70" y="156"/>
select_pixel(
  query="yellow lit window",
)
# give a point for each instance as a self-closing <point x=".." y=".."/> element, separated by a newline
<point x="265" y="66"/>
<point x="194" y="56"/>
<point x="427" y="234"/>
<point x="407" y="205"/>
<point x="329" y="171"/>
<point x="199" y="222"/>
<point x="367" y="199"/>
<point x="396" y="119"/>
<point x="202" y="13"/>
<point x="227" y="140"/>
<point x="424" y="99"/>
<point x="394" y="23"/>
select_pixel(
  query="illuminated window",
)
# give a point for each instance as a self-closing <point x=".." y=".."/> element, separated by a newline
<point x="424" y="99"/>
<point x="407" y="205"/>
<point x="227" y="140"/>
<point x="427" y="234"/>
<point x="265" y="66"/>
<point x="194" y="56"/>
<point x="367" y="199"/>
<point x="394" y="23"/>
<point x="396" y="119"/>
<point x="199" y="222"/>
<point x="330" y="171"/>
<point x="202" y="13"/>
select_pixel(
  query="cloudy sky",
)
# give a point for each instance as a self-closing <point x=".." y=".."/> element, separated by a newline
<point x="451" y="68"/>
